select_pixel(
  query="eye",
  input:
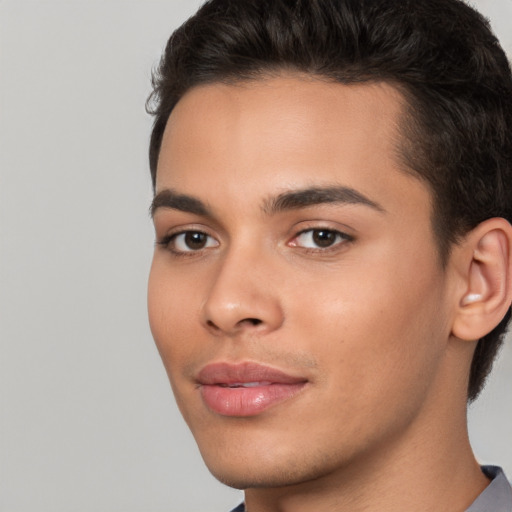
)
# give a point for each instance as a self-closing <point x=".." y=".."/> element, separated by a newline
<point x="189" y="241"/>
<point x="319" y="238"/>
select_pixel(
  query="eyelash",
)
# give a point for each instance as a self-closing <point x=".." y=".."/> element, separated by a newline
<point x="169" y="241"/>
<point x="341" y="238"/>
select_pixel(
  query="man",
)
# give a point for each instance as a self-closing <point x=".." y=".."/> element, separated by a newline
<point x="332" y="274"/>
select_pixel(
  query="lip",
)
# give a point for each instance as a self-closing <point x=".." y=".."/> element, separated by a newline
<point x="245" y="389"/>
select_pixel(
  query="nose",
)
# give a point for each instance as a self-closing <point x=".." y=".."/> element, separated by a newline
<point x="243" y="297"/>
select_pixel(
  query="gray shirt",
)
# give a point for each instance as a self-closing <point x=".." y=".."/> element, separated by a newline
<point x="497" y="496"/>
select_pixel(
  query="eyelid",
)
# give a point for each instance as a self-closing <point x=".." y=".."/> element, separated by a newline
<point x="171" y="235"/>
<point x="344" y="238"/>
<point x="176" y="241"/>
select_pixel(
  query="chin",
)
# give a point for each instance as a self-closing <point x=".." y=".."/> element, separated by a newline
<point x="269" y="470"/>
<point x="254" y="478"/>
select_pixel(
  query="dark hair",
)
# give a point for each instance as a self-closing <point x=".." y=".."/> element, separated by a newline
<point x="441" y="54"/>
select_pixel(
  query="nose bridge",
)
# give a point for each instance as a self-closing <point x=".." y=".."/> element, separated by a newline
<point x="242" y="295"/>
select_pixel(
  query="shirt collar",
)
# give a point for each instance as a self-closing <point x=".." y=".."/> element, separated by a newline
<point x="497" y="496"/>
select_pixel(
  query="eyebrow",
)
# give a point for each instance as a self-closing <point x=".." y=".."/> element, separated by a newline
<point x="168" y="198"/>
<point x="297" y="199"/>
<point x="290" y="200"/>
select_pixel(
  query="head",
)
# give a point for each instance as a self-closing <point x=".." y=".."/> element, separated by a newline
<point x="456" y="128"/>
<point x="333" y="184"/>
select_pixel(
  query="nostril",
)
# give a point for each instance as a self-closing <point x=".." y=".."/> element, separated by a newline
<point x="253" y="321"/>
<point x="245" y="322"/>
<point x="209" y="323"/>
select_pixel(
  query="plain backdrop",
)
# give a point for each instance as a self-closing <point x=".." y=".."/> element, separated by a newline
<point x="87" y="419"/>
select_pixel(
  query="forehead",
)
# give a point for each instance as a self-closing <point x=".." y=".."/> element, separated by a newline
<point x="264" y="136"/>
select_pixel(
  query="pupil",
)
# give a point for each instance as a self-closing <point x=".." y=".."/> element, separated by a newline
<point x="324" y="238"/>
<point x="195" y="240"/>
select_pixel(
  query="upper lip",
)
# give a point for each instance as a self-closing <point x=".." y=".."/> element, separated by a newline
<point x="228" y="373"/>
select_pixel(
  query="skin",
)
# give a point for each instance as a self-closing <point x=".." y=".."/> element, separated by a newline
<point x="367" y="321"/>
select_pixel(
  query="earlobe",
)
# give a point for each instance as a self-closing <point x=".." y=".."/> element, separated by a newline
<point x="488" y="280"/>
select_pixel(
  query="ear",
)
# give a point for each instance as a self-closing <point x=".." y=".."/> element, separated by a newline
<point x="485" y="260"/>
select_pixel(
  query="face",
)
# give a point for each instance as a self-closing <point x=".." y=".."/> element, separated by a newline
<point x="296" y="295"/>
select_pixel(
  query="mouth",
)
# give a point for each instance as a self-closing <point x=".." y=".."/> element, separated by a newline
<point x="245" y="384"/>
<point x="245" y="389"/>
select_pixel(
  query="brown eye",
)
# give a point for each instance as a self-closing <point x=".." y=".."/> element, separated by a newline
<point x="191" y="241"/>
<point x="195" y="240"/>
<point x="320" y="239"/>
<point x="324" y="237"/>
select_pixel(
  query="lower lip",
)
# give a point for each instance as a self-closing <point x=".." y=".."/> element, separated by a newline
<point x="249" y="401"/>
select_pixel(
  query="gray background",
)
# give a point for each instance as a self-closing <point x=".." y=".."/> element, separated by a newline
<point x="87" y="420"/>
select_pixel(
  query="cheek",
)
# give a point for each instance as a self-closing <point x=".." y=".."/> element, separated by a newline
<point x="377" y="361"/>
<point x="173" y="327"/>
<point x="169" y="309"/>
<point x="377" y="329"/>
